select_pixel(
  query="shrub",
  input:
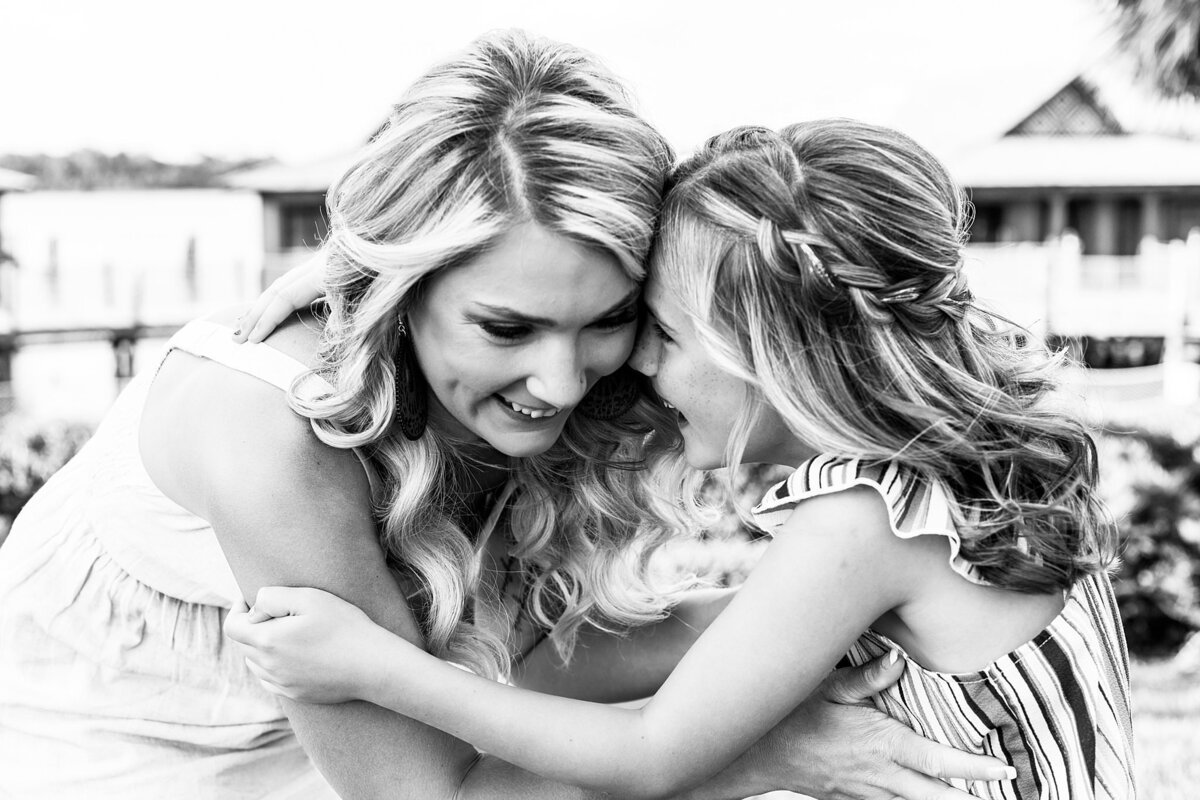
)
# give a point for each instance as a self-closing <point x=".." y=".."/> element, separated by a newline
<point x="1151" y="480"/>
<point x="30" y="452"/>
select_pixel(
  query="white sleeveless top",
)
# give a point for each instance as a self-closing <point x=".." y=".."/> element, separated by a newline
<point x="156" y="541"/>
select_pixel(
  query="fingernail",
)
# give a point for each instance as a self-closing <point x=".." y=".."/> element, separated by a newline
<point x="1003" y="774"/>
<point x="238" y="332"/>
<point x="893" y="656"/>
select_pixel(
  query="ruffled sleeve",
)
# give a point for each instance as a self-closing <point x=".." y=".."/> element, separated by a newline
<point x="916" y="505"/>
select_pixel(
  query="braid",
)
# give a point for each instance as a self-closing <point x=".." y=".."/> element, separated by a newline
<point x="823" y="265"/>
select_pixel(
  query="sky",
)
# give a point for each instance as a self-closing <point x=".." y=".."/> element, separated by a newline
<point x="299" y="80"/>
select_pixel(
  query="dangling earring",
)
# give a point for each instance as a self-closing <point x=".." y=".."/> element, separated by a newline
<point x="612" y="395"/>
<point x="412" y="393"/>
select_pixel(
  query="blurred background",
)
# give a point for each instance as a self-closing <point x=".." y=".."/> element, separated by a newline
<point x="159" y="160"/>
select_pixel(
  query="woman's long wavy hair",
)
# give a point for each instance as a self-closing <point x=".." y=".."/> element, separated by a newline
<point x="516" y="130"/>
<point x="823" y="265"/>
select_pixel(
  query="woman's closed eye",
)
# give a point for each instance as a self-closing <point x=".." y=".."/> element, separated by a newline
<point x="619" y="320"/>
<point x="660" y="332"/>
<point x="505" y="332"/>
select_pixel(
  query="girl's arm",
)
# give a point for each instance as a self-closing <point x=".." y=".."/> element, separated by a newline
<point x="832" y="570"/>
<point x="835" y="744"/>
<point x="294" y="290"/>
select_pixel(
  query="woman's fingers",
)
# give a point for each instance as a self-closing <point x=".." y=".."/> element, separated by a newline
<point x="940" y="761"/>
<point x="856" y="685"/>
<point x="915" y="786"/>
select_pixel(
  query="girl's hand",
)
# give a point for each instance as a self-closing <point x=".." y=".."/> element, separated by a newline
<point x="293" y="290"/>
<point x="835" y="745"/>
<point x="310" y="645"/>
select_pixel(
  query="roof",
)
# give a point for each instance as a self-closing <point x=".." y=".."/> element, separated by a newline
<point x="309" y="177"/>
<point x="1090" y="128"/>
<point x="15" y="181"/>
<point x="1102" y="129"/>
<point x="1134" y="160"/>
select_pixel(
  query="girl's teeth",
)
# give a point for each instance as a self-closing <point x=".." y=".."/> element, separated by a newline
<point x="668" y="405"/>
<point x="534" y="413"/>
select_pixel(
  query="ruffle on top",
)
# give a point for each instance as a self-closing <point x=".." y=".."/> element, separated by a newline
<point x="917" y="505"/>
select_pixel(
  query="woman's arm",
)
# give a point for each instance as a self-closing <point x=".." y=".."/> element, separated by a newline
<point x="290" y="510"/>
<point x="837" y="746"/>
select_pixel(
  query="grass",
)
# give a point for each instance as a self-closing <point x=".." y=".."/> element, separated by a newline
<point x="1166" y="727"/>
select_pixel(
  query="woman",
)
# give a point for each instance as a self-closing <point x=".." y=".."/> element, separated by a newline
<point x="445" y="451"/>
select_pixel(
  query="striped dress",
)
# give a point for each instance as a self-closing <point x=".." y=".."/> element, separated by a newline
<point x="1056" y="708"/>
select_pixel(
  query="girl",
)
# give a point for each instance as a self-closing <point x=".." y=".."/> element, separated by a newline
<point x="808" y="307"/>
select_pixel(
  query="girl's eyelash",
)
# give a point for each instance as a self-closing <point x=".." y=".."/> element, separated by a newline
<point x="660" y="332"/>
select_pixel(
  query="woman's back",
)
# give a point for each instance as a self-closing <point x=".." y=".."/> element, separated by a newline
<point x="115" y="593"/>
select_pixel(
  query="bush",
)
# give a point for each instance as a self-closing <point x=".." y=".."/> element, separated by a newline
<point x="1151" y="481"/>
<point x="30" y="452"/>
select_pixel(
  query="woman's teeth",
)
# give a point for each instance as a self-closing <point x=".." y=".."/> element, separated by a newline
<point x="534" y="413"/>
<point x="668" y="405"/>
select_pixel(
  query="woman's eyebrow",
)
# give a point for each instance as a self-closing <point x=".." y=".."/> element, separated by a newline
<point x="511" y="314"/>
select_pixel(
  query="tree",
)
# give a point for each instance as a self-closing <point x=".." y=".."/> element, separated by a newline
<point x="1163" y="37"/>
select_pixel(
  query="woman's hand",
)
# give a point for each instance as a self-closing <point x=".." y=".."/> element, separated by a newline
<point x="836" y="746"/>
<point x="293" y="290"/>
<point x="310" y="645"/>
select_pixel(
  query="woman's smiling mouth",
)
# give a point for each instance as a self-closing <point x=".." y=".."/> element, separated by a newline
<point x="529" y="412"/>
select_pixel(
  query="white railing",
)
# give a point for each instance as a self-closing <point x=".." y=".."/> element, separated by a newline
<point x="1054" y="287"/>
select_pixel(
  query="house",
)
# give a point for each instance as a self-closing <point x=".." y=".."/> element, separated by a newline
<point x="10" y="181"/>
<point x="293" y="208"/>
<point x="1087" y="219"/>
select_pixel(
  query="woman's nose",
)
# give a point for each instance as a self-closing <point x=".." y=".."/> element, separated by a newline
<point x="644" y="357"/>
<point x="559" y="378"/>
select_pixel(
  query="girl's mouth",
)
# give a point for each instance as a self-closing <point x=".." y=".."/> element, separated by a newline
<point x="678" y="415"/>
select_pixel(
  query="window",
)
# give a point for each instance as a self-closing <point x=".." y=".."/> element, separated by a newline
<point x="304" y="224"/>
<point x="986" y="226"/>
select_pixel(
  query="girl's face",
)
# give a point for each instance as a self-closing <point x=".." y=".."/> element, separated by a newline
<point x="511" y="341"/>
<point x="707" y="399"/>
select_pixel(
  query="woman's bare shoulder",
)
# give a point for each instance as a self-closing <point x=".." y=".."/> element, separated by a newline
<point x="204" y="422"/>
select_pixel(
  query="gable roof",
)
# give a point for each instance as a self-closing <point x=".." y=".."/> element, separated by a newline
<point x="1074" y="110"/>
<point x="1102" y="129"/>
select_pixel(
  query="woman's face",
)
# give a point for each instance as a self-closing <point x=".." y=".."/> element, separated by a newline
<point x="706" y="398"/>
<point x="511" y="341"/>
